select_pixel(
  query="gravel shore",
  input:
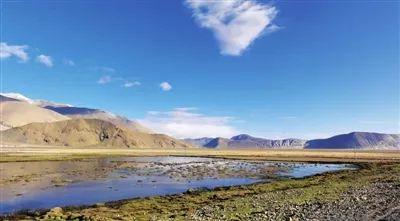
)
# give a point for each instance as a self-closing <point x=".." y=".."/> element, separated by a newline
<point x="379" y="201"/>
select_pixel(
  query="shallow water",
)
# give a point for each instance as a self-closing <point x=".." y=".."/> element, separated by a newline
<point x="34" y="185"/>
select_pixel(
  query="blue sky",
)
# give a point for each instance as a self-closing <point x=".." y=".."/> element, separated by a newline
<point x="268" y="68"/>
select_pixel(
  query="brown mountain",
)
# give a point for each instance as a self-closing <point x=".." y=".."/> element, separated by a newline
<point x="15" y="114"/>
<point x="87" y="133"/>
<point x="90" y="113"/>
<point x="77" y="112"/>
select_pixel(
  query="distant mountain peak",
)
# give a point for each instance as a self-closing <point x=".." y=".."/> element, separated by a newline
<point x="241" y="137"/>
<point x="358" y="140"/>
<point x="246" y="141"/>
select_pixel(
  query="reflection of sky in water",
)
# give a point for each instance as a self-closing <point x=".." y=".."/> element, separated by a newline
<point x="303" y="170"/>
<point x="121" y="184"/>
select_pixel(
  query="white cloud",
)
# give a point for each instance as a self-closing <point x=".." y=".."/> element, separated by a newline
<point x="131" y="84"/>
<point x="44" y="59"/>
<point x="104" y="79"/>
<point x="165" y="86"/>
<point x="18" y="51"/>
<point x="69" y="62"/>
<point x="235" y="23"/>
<point x="186" y="123"/>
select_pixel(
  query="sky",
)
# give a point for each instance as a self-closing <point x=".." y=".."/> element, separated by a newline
<point x="189" y="68"/>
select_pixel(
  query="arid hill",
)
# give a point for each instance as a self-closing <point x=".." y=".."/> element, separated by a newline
<point x="90" y="113"/>
<point x="15" y="114"/>
<point x="86" y="133"/>
<point x="77" y="112"/>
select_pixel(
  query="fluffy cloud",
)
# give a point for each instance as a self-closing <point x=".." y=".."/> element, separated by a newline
<point x="44" y="59"/>
<point x="235" y="23"/>
<point x="104" y="79"/>
<point x="18" y="51"/>
<point x="131" y="84"/>
<point x="187" y="123"/>
<point x="165" y="86"/>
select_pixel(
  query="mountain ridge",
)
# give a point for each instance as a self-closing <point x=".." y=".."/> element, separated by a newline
<point x="357" y="140"/>
<point x="247" y="141"/>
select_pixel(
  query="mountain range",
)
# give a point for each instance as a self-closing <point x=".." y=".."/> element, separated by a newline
<point x="357" y="140"/>
<point x="24" y="120"/>
<point x="246" y="141"/>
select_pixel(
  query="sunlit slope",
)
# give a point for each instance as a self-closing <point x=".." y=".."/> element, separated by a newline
<point x="15" y="114"/>
<point x="89" y="113"/>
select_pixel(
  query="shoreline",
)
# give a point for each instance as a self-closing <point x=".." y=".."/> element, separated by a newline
<point x="20" y="154"/>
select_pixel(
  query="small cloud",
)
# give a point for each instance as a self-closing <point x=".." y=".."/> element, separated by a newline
<point x="186" y="123"/>
<point x="44" y="59"/>
<point x="235" y="23"/>
<point x="273" y="28"/>
<point x="131" y="84"/>
<point x="18" y="51"/>
<point x="69" y="62"/>
<point x="105" y="69"/>
<point x="104" y="79"/>
<point x="165" y="86"/>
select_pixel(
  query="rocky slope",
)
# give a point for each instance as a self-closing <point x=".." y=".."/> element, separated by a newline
<point x="359" y="140"/>
<point x="86" y="133"/>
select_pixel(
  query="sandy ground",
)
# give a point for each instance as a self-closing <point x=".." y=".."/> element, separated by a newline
<point x="31" y="153"/>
